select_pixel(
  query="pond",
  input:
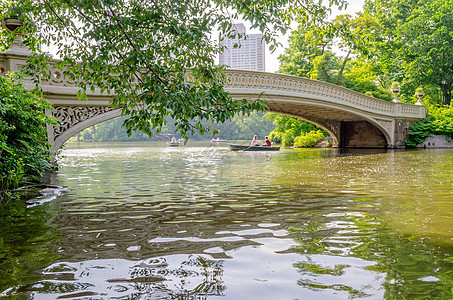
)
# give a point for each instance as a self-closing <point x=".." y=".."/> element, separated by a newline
<point x="147" y="221"/>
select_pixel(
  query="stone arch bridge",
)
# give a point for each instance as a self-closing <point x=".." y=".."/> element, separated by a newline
<point x="352" y="119"/>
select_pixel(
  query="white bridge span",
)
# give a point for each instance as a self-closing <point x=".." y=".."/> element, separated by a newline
<point x="352" y="119"/>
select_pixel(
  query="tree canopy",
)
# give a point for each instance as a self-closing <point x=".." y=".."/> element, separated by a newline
<point x="336" y="52"/>
<point x="413" y="43"/>
<point x="390" y="41"/>
<point x="141" y="51"/>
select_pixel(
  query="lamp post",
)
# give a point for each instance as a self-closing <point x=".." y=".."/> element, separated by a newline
<point x="444" y="81"/>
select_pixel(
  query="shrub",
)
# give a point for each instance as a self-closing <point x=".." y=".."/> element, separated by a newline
<point x="24" y="151"/>
<point x="287" y="138"/>
<point x="419" y="131"/>
<point x="309" y="139"/>
<point x="442" y="120"/>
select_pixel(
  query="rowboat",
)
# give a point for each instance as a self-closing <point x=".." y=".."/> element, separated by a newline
<point x="173" y="144"/>
<point x="238" y="147"/>
<point x="217" y="140"/>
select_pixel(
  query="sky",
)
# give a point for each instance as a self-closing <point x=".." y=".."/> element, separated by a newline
<point x="272" y="63"/>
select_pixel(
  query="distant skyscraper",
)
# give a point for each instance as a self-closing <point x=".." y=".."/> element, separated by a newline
<point x="250" y="54"/>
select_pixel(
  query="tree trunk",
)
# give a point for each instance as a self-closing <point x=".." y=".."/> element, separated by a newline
<point x="326" y="74"/>
<point x="340" y="74"/>
<point x="447" y="97"/>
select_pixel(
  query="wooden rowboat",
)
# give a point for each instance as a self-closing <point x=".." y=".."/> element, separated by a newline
<point x="173" y="144"/>
<point x="238" y="147"/>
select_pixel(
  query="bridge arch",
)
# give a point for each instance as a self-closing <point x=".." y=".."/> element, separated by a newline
<point x="73" y="120"/>
<point x="69" y="125"/>
<point x="377" y="129"/>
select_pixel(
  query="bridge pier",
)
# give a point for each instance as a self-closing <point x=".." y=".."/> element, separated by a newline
<point x="361" y="134"/>
<point x="401" y="132"/>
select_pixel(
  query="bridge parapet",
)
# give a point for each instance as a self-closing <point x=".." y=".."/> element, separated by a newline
<point x="308" y="88"/>
<point x="249" y="82"/>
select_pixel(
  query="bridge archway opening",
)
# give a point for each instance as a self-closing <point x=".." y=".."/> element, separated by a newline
<point x="362" y="134"/>
<point x="359" y="133"/>
<point x="333" y="135"/>
<point x="347" y="129"/>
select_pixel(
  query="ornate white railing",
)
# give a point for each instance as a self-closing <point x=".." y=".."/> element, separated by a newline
<point x="313" y="89"/>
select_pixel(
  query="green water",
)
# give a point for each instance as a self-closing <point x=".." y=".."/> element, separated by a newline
<point x="146" y="221"/>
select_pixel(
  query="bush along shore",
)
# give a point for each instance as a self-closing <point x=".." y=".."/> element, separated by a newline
<point x="24" y="150"/>
<point x="433" y="132"/>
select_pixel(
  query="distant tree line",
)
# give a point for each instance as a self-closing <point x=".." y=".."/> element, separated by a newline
<point x="241" y="127"/>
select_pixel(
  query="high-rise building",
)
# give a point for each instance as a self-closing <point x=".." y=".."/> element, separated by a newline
<point x="248" y="56"/>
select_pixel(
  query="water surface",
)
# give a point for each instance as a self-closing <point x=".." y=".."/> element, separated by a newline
<point x="146" y="221"/>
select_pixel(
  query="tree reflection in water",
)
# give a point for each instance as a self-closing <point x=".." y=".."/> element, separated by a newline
<point x="407" y="266"/>
<point x="194" y="277"/>
<point x="25" y="237"/>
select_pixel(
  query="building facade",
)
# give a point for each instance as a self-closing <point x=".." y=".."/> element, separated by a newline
<point x="250" y="55"/>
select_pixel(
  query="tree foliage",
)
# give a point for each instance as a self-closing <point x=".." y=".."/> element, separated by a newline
<point x="413" y="43"/>
<point x="289" y="128"/>
<point x="442" y="120"/>
<point x="391" y="40"/>
<point x="309" y="139"/>
<point x="141" y="51"/>
<point x="311" y="54"/>
<point x="24" y="151"/>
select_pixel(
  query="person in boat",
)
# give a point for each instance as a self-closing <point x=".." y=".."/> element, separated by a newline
<point x="173" y="139"/>
<point x="267" y="141"/>
<point x="255" y="141"/>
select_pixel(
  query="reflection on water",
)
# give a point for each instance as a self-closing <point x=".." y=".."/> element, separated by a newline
<point x="200" y="221"/>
